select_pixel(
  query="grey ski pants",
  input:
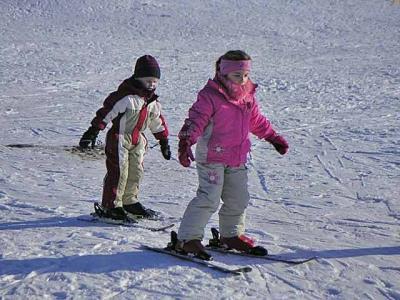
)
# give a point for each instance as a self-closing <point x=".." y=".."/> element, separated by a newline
<point x="217" y="182"/>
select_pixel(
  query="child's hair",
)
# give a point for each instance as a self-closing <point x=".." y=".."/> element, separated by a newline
<point x="232" y="55"/>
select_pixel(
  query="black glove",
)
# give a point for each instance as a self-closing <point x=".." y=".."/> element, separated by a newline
<point x="280" y="144"/>
<point x="89" y="137"/>
<point x="165" y="150"/>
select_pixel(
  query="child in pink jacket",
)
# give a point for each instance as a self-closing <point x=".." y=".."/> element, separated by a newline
<point x="220" y="121"/>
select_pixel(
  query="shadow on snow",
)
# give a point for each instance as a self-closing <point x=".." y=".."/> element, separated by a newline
<point x="94" y="264"/>
<point x="52" y="222"/>
<point x="138" y="260"/>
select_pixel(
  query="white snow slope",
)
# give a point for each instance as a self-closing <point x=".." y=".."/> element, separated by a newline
<point x="329" y="80"/>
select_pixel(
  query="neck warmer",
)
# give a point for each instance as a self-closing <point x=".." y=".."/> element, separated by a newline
<point x="236" y="92"/>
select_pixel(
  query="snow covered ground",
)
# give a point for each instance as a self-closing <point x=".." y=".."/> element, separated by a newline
<point x="329" y="79"/>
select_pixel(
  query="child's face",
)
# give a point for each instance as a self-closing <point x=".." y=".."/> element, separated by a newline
<point x="149" y="83"/>
<point x="239" y="77"/>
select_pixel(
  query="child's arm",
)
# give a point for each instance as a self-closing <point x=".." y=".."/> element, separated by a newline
<point x="159" y="128"/>
<point x="259" y="124"/>
<point x="199" y="116"/>
<point x="262" y="128"/>
<point x="113" y="105"/>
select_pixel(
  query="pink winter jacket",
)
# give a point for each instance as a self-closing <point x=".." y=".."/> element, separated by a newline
<point x="221" y="125"/>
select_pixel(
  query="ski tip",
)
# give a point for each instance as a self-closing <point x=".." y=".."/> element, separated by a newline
<point x="164" y="228"/>
<point x="292" y="261"/>
<point x="240" y="271"/>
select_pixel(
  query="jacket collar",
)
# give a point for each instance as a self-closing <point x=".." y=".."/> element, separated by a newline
<point x="131" y="86"/>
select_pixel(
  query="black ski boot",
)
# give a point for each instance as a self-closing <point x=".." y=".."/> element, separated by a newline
<point x="116" y="213"/>
<point x="191" y="247"/>
<point x="137" y="210"/>
<point x="239" y="243"/>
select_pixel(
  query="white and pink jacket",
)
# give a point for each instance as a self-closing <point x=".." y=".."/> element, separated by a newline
<point x="220" y="124"/>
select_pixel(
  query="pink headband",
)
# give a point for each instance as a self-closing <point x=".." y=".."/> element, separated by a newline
<point x="227" y="66"/>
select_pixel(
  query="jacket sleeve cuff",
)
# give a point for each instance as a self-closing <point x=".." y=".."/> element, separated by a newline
<point x="163" y="135"/>
<point x="271" y="136"/>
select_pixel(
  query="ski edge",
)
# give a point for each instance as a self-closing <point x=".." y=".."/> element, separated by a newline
<point x="209" y="264"/>
<point x="271" y="257"/>
<point x="132" y="225"/>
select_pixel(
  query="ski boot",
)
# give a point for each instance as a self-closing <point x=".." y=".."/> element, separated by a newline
<point x="137" y="210"/>
<point x="192" y="247"/>
<point x="116" y="213"/>
<point x="240" y="243"/>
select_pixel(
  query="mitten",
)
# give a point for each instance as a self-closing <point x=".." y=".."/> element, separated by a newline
<point x="165" y="150"/>
<point x="279" y="142"/>
<point x="89" y="137"/>
<point x="185" y="154"/>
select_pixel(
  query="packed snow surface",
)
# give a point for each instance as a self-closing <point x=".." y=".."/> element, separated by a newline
<point x="329" y="80"/>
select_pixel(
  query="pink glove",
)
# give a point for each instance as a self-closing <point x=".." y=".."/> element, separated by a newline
<point x="280" y="144"/>
<point x="185" y="154"/>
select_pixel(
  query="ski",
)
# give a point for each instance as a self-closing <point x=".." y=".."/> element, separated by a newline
<point x="133" y="223"/>
<point x="100" y="211"/>
<point x="205" y="263"/>
<point x="156" y="217"/>
<point x="216" y="245"/>
<point x="272" y="257"/>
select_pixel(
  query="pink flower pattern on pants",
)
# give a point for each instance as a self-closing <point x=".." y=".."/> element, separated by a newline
<point x="213" y="177"/>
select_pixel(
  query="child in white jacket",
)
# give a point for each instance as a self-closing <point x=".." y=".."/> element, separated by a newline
<point x="132" y="108"/>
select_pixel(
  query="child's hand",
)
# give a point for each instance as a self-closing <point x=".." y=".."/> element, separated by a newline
<point x="89" y="137"/>
<point x="185" y="154"/>
<point x="280" y="144"/>
<point x="165" y="150"/>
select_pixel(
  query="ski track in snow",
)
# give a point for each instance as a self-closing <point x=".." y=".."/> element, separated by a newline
<point x="329" y="81"/>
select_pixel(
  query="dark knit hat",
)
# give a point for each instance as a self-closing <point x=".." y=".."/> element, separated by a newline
<point x="147" y="66"/>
